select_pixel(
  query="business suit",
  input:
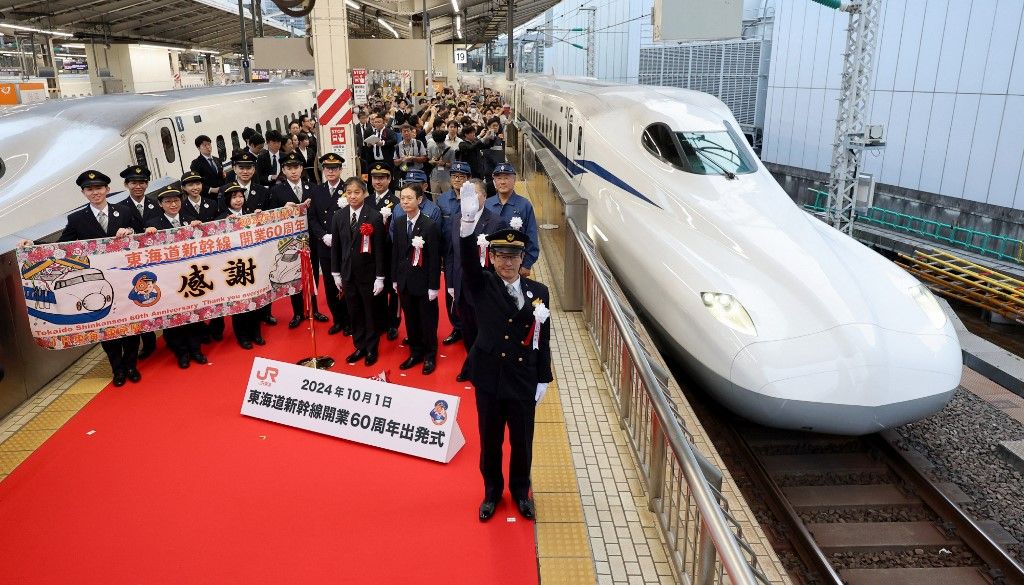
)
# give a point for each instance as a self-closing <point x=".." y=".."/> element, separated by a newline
<point x="386" y="303"/>
<point x="488" y="224"/>
<point x="360" y="132"/>
<point x="206" y="210"/>
<point x="324" y="204"/>
<point x="386" y="148"/>
<point x="505" y="370"/>
<point x="122" y="353"/>
<point x="213" y="175"/>
<point x="267" y="171"/>
<point x="414" y="282"/>
<point x="359" y="269"/>
<point x="183" y="340"/>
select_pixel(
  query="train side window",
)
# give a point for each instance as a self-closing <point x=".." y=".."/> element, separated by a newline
<point x="222" y="149"/>
<point x="140" y="155"/>
<point x="570" y="131"/>
<point x="168" y="143"/>
<point x="259" y="129"/>
<point x="659" y="141"/>
<point x="579" y="141"/>
<point x="559" y="138"/>
<point x="277" y="124"/>
<point x="235" y="144"/>
<point x="269" y="126"/>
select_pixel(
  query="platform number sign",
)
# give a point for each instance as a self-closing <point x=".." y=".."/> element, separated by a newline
<point x="460" y="56"/>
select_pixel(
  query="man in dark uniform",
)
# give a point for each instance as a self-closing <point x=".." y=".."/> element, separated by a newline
<point x="101" y="220"/>
<point x="140" y="208"/>
<point x="208" y="167"/>
<point x="183" y="340"/>
<point x="448" y="202"/>
<point x="357" y="266"/>
<point x="289" y="193"/>
<point x="416" y="270"/>
<point x="383" y="197"/>
<point x="325" y="200"/>
<point x="195" y="207"/>
<point x="257" y="198"/>
<point x="510" y="362"/>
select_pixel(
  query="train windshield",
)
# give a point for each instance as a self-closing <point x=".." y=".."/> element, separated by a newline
<point x="720" y="152"/>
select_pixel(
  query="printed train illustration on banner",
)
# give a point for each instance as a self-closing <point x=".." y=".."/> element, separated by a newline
<point x="66" y="291"/>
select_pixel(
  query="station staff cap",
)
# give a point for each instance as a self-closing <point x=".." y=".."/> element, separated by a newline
<point x="380" y="169"/>
<point x="415" y="176"/>
<point x="332" y="159"/>
<point x="191" y="177"/>
<point x="243" y="158"/>
<point x="92" y="178"/>
<point x="503" y="169"/>
<point x="168" y="192"/>
<point x="461" y="167"/>
<point x="136" y="173"/>
<point x="232" y="188"/>
<point x="292" y="158"/>
<point x="509" y="239"/>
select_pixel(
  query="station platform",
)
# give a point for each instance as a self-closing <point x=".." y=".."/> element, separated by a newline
<point x="173" y="496"/>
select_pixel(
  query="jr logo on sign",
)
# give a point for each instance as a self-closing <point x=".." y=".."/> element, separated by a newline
<point x="267" y="373"/>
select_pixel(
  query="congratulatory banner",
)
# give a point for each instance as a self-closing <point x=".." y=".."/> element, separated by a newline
<point x="87" y="291"/>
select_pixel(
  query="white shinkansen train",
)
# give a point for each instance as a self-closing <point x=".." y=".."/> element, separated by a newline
<point x="45" y="146"/>
<point x="785" y="320"/>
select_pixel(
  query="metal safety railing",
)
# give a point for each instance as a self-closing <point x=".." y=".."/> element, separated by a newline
<point x="981" y="242"/>
<point x="706" y="543"/>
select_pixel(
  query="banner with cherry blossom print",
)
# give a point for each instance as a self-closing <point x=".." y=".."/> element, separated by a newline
<point x="88" y="291"/>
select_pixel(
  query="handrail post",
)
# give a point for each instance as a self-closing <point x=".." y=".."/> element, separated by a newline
<point x="706" y="555"/>
<point x="625" y="386"/>
<point x="656" y="489"/>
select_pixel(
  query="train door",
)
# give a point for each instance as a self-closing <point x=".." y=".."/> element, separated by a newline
<point x="141" y="154"/>
<point x="169" y="151"/>
<point x="575" y="151"/>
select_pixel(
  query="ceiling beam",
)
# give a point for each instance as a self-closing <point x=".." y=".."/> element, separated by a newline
<point x="119" y="9"/>
<point x="162" y="16"/>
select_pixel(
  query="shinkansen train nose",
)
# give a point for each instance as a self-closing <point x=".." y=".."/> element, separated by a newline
<point x="851" y="379"/>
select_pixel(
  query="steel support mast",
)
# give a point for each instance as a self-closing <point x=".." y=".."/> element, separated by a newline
<point x="848" y="147"/>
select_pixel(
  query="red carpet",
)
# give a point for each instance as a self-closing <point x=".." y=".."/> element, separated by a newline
<point x="175" y="486"/>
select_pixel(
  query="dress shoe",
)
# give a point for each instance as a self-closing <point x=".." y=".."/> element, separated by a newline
<point x="454" y="336"/>
<point x="412" y="361"/>
<point x="134" y="375"/>
<point x="145" y="352"/>
<point x="335" y="329"/>
<point x="270" y="320"/>
<point x="405" y="341"/>
<point x="429" y="365"/>
<point x="295" y="322"/>
<point x="461" y="377"/>
<point x="183" y="361"/>
<point x="347" y="331"/>
<point x="217" y="336"/>
<point x="527" y="508"/>
<point x="355" y="356"/>
<point x="204" y="339"/>
<point x="119" y="378"/>
<point x="318" y="316"/>
<point x="258" y="340"/>
<point x="245" y="343"/>
<point x="198" y="357"/>
<point x="371" y="358"/>
<point x="392" y="334"/>
<point x="487" y="510"/>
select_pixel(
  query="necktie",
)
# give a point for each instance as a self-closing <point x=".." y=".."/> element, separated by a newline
<point x="355" y="216"/>
<point x="175" y="222"/>
<point x="298" y="192"/>
<point x="409" y="225"/>
<point x="141" y="211"/>
<point x="515" y="295"/>
<point x="213" y="165"/>
<point x="102" y="217"/>
<point x="274" y="157"/>
<point x="377" y="153"/>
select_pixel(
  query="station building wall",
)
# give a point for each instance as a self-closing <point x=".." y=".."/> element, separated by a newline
<point x="948" y="84"/>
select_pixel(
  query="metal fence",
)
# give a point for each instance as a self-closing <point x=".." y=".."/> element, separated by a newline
<point x="705" y="541"/>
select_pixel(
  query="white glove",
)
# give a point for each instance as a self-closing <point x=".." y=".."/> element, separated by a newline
<point x="542" y="389"/>
<point x="337" y="279"/>
<point x="328" y="238"/>
<point x="378" y="285"/>
<point x="469" y="204"/>
<point x="394" y="285"/>
<point x="451" y="292"/>
<point x="432" y="295"/>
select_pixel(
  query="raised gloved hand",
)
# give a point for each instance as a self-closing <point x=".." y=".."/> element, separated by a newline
<point x="542" y="389"/>
<point x="337" y="279"/>
<point x="432" y="295"/>
<point x="468" y="202"/>
<point x="451" y="292"/>
<point x="394" y="285"/>
<point x="327" y="239"/>
<point x="378" y="285"/>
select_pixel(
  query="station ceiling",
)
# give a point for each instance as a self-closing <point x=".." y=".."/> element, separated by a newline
<point x="214" y="24"/>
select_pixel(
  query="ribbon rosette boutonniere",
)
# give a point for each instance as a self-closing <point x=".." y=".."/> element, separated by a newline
<point x="482" y="244"/>
<point x="367" y="230"/>
<point x="540" y="315"/>
<point x="417" y="251"/>
<point x="516" y="223"/>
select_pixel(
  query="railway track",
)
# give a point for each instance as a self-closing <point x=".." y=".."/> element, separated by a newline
<point x="856" y="511"/>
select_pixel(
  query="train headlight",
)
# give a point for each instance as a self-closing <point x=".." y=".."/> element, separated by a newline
<point x="729" y="312"/>
<point x="926" y="300"/>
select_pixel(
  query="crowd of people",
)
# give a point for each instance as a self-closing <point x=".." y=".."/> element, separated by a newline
<point x="433" y="196"/>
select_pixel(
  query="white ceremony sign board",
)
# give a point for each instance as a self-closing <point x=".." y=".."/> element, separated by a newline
<point x="389" y="416"/>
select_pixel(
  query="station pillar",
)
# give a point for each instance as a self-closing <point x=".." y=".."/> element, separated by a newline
<point x="209" y="69"/>
<point x="329" y="24"/>
<point x="418" y="74"/>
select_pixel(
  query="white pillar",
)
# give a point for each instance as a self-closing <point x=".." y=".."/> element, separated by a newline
<point x="330" y="63"/>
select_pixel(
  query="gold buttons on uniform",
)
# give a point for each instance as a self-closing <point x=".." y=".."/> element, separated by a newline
<point x="502" y="354"/>
<point x="520" y="359"/>
<point x="506" y="337"/>
<point x="510" y="320"/>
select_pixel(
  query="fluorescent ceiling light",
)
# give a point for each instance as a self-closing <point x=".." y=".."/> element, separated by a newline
<point x="455" y="6"/>
<point x="387" y="26"/>
<point x="164" y="47"/>
<point x="208" y="51"/>
<point x="73" y="45"/>
<point x="458" y="26"/>
<point x="37" y="30"/>
<point x="353" y="5"/>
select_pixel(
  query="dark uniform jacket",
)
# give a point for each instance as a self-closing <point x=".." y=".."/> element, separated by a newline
<point x="499" y="362"/>
<point x="83" y="225"/>
<point x="207" y="210"/>
<point x="259" y="198"/>
<point x="489" y="223"/>
<point x="150" y="208"/>
<point x="387" y="147"/>
<point x="281" y="194"/>
<point x="160" y="222"/>
<point x="211" y="177"/>
<point x="470" y="152"/>
<point x="324" y="204"/>
<point x="347" y="256"/>
<point x="416" y="280"/>
<point x="265" y="168"/>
